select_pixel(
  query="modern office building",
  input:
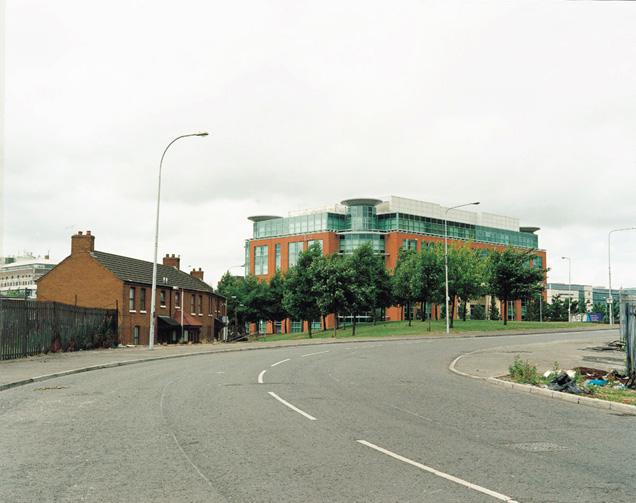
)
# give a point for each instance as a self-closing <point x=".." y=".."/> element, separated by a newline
<point x="18" y="275"/>
<point x="388" y="224"/>
<point x="586" y="293"/>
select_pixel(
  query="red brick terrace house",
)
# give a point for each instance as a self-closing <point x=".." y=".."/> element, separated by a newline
<point x="92" y="278"/>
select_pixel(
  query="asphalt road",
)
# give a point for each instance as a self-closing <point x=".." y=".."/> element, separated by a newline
<point x="375" y="421"/>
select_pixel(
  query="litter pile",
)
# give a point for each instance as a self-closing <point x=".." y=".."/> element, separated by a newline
<point x="564" y="381"/>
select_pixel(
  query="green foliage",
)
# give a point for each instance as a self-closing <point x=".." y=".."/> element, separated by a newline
<point x="478" y="313"/>
<point x="523" y="372"/>
<point x="401" y="280"/>
<point x="333" y="286"/>
<point x="510" y="276"/>
<point x="300" y="298"/>
<point x="493" y="311"/>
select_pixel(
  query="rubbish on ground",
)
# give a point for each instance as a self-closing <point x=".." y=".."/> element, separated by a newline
<point x="596" y="382"/>
<point x="563" y="382"/>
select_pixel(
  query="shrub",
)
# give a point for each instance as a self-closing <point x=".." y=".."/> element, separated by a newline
<point x="523" y="372"/>
<point x="478" y="312"/>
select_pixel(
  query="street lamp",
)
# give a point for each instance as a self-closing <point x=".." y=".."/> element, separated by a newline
<point x="446" y="253"/>
<point x="569" y="287"/>
<point x="153" y="310"/>
<point x="609" y="263"/>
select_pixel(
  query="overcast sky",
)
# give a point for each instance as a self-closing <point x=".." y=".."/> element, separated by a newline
<point x="526" y="106"/>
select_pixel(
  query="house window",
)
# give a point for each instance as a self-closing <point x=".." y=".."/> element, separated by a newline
<point x="260" y="260"/>
<point x="142" y="300"/>
<point x="177" y="300"/>
<point x="192" y="304"/>
<point x="131" y="299"/>
<point x="200" y="305"/>
<point x="162" y="298"/>
<point x="136" y="341"/>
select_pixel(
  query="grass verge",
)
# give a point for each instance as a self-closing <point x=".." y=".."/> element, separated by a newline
<point x="400" y="328"/>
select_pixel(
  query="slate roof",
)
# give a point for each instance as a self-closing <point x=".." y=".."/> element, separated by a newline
<point x="139" y="271"/>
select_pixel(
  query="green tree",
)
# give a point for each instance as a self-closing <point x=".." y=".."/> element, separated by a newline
<point x="470" y="276"/>
<point x="427" y="279"/>
<point x="466" y="275"/>
<point x="493" y="312"/>
<point x="371" y="284"/>
<point x="229" y="287"/>
<point x="276" y="290"/>
<point x="300" y="299"/>
<point x="332" y="286"/>
<point x="511" y="277"/>
<point x="401" y="280"/>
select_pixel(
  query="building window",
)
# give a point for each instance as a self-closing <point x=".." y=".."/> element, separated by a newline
<point x="131" y="299"/>
<point x="277" y="256"/>
<point x="192" y="304"/>
<point x="142" y="300"/>
<point x="260" y="260"/>
<point x="314" y="241"/>
<point x="200" y="305"/>
<point x="294" y="249"/>
<point x="177" y="300"/>
<point x="409" y="244"/>
<point x="136" y="340"/>
<point x="162" y="298"/>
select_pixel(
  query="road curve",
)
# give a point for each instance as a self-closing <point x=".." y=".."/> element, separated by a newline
<point x="373" y="421"/>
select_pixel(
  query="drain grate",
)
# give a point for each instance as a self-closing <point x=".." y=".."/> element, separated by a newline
<point x="537" y="447"/>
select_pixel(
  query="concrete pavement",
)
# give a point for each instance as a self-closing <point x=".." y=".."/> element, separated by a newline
<point x="487" y="364"/>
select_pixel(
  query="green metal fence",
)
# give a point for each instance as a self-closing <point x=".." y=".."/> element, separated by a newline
<point x="28" y="328"/>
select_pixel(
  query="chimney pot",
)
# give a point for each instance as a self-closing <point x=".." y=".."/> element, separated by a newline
<point x="82" y="243"/>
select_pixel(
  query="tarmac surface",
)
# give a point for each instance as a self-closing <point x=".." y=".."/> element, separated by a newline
<point x="487" y="364"/>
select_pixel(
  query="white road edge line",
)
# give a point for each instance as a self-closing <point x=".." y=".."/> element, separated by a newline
<point x="475" y="487"/>
<point x="260" y="377"/>
<point x="311" y="418"/>
<point x="282" y="361"/>
<point x="318" y="353"/>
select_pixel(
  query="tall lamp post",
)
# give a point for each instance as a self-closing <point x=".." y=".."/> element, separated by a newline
<point x="446" y="253"/>
<point x="609" y="264"/>
<point x="569" y="287"/>
<point x="153" y="310"/>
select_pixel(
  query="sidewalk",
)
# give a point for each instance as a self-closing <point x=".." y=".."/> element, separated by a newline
<point x="489" y="364"/>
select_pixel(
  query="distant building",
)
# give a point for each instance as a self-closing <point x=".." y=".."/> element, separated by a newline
<point x="388" y="224"/>
<point x="18" y="275"/>
<point x="188" y="309"/>
<point x="585" y="293"/>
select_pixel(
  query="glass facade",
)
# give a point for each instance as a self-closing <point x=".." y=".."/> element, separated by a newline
<point x="362" y="224"/>
<point x="315" y="222"/>
<point x="294" y="250"/>
<point x="260" y="260"/>
<point x="362" y="218"/>
<point x="277" y="258"/>
<point x="350" y="241"/>
<point x="409" y="244"/>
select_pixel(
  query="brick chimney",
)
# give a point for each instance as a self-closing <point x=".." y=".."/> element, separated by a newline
<point x="172" y="261"/>
<point x="197" y="274"/>
<point x="82" y="242"/>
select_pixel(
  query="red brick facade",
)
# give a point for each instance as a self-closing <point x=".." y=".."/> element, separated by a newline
<point x="96" y="279"/>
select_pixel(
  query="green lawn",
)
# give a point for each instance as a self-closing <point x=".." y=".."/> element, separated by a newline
<point x="396" y="328"/>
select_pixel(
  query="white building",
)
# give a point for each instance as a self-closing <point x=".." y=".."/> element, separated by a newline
<point x="19" y="274"/>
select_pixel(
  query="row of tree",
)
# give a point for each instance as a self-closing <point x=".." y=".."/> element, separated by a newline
<point x="359" y="284"/>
